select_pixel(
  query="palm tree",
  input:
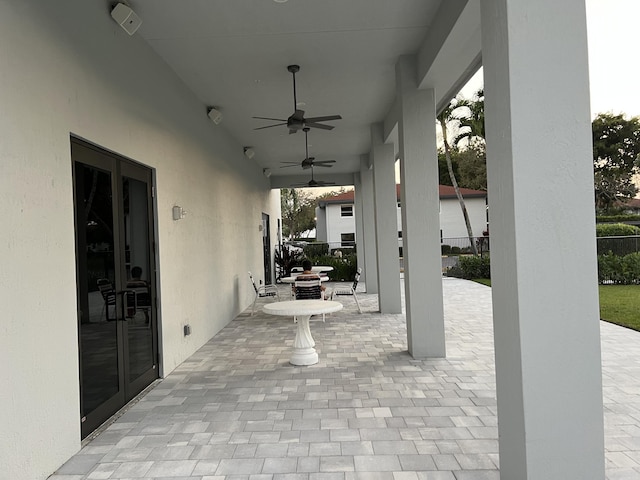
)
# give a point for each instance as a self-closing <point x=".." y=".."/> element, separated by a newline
<point x="446" y="116"/>
<point x="472" y="125"/>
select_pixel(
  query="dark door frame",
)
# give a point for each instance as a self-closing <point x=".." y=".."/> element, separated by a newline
<point x="118" y="167"/>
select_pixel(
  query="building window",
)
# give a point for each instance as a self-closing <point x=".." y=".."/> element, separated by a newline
<point x="399" y="233"/>
<point x="347" y="239"/>
<point x="346" y="210"/>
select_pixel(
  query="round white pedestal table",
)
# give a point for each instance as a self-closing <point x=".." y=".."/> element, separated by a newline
<point x="304" y="352"/>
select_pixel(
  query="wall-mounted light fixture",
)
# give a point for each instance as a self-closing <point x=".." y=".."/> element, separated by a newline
<point x="126" y="18"/>
<point x="215" y="115"/>
<point x="249" y="152"/>
<point x="266" y="172"/>
<point x="178" y="213"/>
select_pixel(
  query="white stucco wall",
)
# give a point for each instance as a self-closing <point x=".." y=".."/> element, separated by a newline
<point x="337" y="224"/>
<point x="452" y="221"/>
<point x="67" y="68"/>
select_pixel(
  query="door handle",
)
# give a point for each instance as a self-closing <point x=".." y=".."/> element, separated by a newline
<point x="124" y="302"/>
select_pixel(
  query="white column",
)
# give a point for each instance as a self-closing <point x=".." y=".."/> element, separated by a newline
<point x="370" y="270"/>
<point x="420" y="215"/>
<point x="543" y="265"/>
<point x="358" y="213"/>
<point x="386" y="203"/>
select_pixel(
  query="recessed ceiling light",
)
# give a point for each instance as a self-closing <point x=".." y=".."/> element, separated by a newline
<point x="280" y="1"/>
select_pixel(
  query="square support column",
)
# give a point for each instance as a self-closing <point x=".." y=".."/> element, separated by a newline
<point x="386" y="203"/>
<point x="420" y="215"/>
<point x="358" y="214"/>
<point x="543" y="252"/>
<point x="370" y="270"/>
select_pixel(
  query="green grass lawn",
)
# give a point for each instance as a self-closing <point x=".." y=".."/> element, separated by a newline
<point x="619" y="304"/>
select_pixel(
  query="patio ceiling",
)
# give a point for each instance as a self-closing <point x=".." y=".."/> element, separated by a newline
<point x="234" y="55"/>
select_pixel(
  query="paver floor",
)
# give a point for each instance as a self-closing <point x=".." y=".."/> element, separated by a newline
<point x="237" y="410"/>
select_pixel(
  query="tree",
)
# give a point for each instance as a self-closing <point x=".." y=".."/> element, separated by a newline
<point x="469" y="166"/>
<point x="446" y="116"/>
<point x="471" y="125"/>
<point x="472" y="166"/>
<point x="298" y="212"/>
<point x="616" y="157"/>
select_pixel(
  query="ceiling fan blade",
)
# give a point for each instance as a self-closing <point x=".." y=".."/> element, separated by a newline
<point x="323" y="119"/>
<point x="324" y="161"/>
<point x="269" y="118"/>
<point x="269" y="126"/>
<point x="289" y="166"/>
<point x="319" y="164"/>
<point x="318" y="125"/>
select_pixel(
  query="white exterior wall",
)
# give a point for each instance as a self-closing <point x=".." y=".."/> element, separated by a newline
<point x="68" y="68"/>
<point x="337" y="224"/>
<point x="452" y="220"/>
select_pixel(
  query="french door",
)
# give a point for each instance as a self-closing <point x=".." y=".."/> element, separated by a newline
<point x="116" y="290"/>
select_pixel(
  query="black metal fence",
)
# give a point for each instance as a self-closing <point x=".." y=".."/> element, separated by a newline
<point x="618" y="245"/>
<point x="462" y="245"/>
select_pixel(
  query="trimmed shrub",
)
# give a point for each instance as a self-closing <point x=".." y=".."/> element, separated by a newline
<point x="621" y="270"/>
<point x="316" y="250"/>
<point x="470" y="267"/>
<point x="616" y="230"/>
<point x="446" y="249"/>
<point x="344" y="269"/>
<point x="475" y="267"/>
<point x="617" y="218"/>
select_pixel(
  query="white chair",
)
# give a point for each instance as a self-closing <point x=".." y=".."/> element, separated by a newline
<point x="263" y="291"/>
<point x="309" y="289"/>
<point x="349" y="289"/>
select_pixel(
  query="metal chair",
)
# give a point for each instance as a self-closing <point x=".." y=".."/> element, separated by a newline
<point x="349" y="289"/>
<point x="309" y="289"/>
<point x="109" y="297"/>
<point x="263" y="291"/>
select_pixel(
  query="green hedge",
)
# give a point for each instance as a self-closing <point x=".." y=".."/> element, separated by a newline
<point x="618" y="218"/>
<point x="316" y="250"/>
<point x="621" y="270"/>
<point x="344" y="269"/>
<point x="616" y="230"/>
<point x="470" y="267"/>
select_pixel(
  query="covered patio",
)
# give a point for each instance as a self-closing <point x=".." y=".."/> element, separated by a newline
<point x="237" y="409"/>
<point x="154" y="149"/>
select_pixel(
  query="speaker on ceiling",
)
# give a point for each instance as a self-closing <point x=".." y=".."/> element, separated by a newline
<point x="126" y="18"/>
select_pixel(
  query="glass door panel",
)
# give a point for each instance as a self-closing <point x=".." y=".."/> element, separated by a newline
<point x="139" y="273"/>
<point x="98" y="328"/>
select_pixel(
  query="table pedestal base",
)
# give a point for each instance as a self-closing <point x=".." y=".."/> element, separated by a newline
<point x="303" y="351"/>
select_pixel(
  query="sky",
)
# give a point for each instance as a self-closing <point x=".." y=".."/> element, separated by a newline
<point x="614" y="67"/>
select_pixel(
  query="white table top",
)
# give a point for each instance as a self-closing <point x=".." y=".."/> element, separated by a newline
<point x="302" y="307"/>
<point x="293" y="279"/>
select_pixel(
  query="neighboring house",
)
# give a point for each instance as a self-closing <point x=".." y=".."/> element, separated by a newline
<point x="336" y="224"/>
<point x="632" y="206"/>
